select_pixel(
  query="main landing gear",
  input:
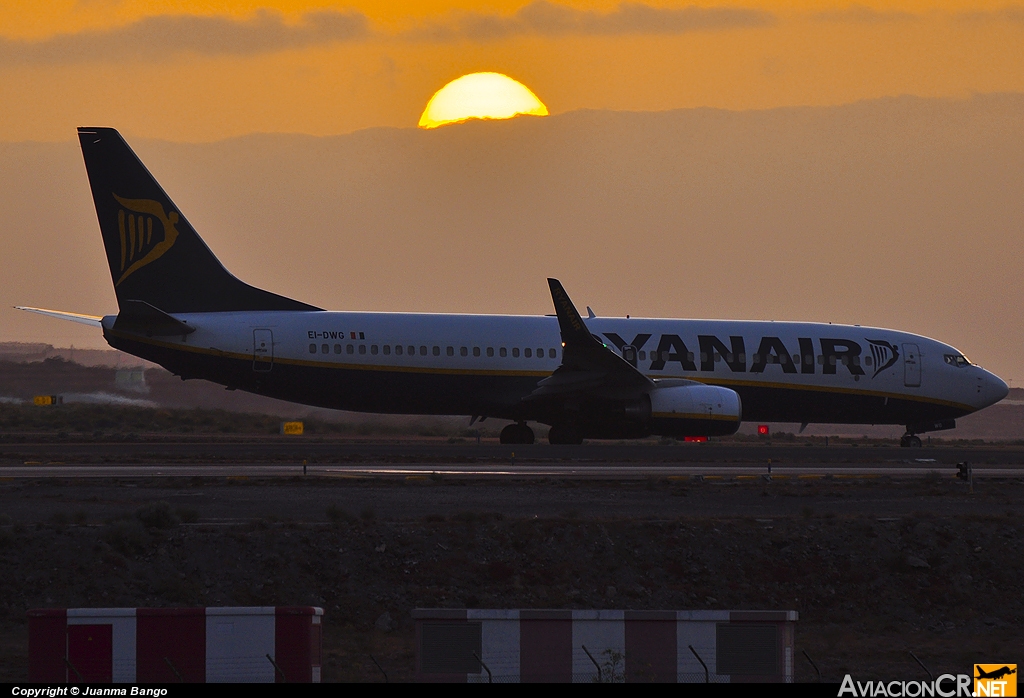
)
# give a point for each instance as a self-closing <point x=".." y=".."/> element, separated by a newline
<point x="517" y="434"/>
<point x="564" y="435"/>
<point x="910" y="441"/>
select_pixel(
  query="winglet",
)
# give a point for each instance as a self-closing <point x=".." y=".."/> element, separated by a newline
<point x="569" y="321"/>
<point x="588" y="364"/>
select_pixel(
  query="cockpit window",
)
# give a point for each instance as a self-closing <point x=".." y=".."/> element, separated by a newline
<point x="957" y="360"/>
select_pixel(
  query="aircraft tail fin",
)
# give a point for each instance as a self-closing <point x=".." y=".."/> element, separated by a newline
<point x="155" y="255"/>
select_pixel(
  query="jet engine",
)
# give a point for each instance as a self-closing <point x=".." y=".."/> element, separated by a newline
<point x="695" y="410"/>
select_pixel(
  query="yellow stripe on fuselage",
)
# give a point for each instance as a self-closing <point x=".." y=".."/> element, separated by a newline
<point x="708" y="380"/>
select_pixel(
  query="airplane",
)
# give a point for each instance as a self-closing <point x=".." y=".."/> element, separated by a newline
<point x="593" y="378"/>
<point x="995" y="673"/>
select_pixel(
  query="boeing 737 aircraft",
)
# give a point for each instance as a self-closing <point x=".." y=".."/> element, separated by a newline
<point x="602" y="378"/>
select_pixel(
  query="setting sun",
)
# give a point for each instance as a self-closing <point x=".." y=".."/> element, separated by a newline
<point x="480" y="96"/>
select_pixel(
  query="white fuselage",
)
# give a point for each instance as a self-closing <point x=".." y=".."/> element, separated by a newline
<point x="784" y="371"/>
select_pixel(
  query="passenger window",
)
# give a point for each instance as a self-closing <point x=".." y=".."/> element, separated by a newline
<point x="476" y="351"/>
<point x="868" y="361"/>
<point x="312" y="348"/>
<point x="821" y="360"/>
<point x="741" y="358"/>
<point x="552" y="353"/>
<point x="490" y="351"/>
<point x="540" y="353"/>
<point x="398" y="349"/>
<point x="349" y="349"/>
<point x="324" y="349"/>
<point x="831" y="361"/>
<point x="450" y="351"/>
<point x="689" y="356"/>
<point x="337" y="348"/>
<point x="856" y="361"/>
<point x="412" y="350"/>
<point x="643" y="356"/>
<point x="362" y="348"/>
<point x="515" y="352"/>
<point x="718" y="358"/>
<point x="387" y="350"/>
<point x="373" y="349"/>
<point x="527" y="352"/>
<point x="503" y="352"/>
<point x="423" y="350"/>
<point x="463" y="351"/>
<point x="436" y="351"/>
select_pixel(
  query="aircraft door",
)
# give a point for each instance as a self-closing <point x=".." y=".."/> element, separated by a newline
<point x="629" y="354"/>
<point x="911" y="366"/>
<point x="262" y="350"/>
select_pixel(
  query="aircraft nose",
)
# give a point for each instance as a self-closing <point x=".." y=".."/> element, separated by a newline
<point x="993" y="388"/>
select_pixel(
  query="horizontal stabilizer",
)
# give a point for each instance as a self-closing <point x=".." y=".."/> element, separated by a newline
<point x="141" y="317"/>
<point x="61" y="315"/>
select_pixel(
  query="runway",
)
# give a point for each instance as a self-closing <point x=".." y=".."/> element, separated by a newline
<point x="241" y="481"/>
<point x="280" y="458"/>
<point x="285" y="449"/>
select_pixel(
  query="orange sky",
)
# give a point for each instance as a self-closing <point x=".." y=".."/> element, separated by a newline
<point x="195" y="70"/>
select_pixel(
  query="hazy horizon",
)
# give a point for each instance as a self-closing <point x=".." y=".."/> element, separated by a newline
<point x="72" y="136"/>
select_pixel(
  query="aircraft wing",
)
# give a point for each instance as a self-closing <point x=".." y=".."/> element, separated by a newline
<point x="588" y="366"/>
<point x="61" y="315"/>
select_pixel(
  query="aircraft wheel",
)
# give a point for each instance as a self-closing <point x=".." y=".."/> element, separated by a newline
<point x="564" y="435"/>
<point x="516" y="434"/>
<point x="509" y="434"/>
<point x="910" y="441"/>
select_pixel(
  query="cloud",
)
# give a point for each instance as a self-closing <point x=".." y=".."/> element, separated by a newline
<point x="165" y="37"/>
<point x="1010" y="13"/>
<point x="862" y="14"/>
<point x="162" y="37"/>
<point x="545" y="18"/>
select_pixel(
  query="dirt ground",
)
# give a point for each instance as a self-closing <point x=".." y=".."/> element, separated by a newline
<point x="876" y="568"/>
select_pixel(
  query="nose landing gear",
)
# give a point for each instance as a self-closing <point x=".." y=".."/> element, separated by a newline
<point x="517" y="434"/>
<point x="910" y="441"/>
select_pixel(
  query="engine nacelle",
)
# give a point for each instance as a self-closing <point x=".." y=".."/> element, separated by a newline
<point x="695" y="410"/>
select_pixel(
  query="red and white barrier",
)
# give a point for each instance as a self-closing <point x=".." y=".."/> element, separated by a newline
<point x="170" y="645"/>
<point x="584" y="646"/>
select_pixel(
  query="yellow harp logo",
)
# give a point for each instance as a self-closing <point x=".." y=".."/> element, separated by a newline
<point x="146" y="230"/>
